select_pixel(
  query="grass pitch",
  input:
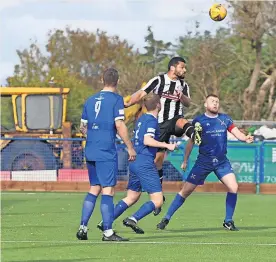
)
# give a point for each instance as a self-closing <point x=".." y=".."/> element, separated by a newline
<point x="42" y="227"/>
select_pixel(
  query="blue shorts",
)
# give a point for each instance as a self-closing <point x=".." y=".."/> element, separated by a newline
<point x="143" y="175"/>
<point x="201" y="170"/>
<point x="103" y="173"/>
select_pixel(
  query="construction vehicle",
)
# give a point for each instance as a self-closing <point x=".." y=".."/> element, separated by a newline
<point x="42" y="138"/>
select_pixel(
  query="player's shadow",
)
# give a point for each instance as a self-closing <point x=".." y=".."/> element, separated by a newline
<point x="66" y="260"/>
<point x="8" y="203"/>
<point x="12" y="201"/>
<point x="48" y="245"/>
<point x="165" y="237"/>
<point x="33" y="213"/>
<point x="30" y="226"/>
<point x="187" y="230"/>
<point x="257" y="228"/>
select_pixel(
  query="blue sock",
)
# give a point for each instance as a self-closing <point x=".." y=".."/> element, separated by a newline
<point x="107" y="209"/>
<point x="231" y="200"/>
<point x="120" y="208"/>
<point x="177" y="203"/>
<point x="144" y="210"/>
<point x="87" y="208"/>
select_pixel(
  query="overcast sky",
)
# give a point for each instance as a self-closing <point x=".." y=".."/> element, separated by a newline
<point x="23" y="20"/>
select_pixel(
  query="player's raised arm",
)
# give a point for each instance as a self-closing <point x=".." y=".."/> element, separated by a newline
<point x="150" y="141"/>
<point x="237" y="133"/>
<point x="184" y="96"/>
<point x="186" y="101"/>
<point x="188" y="150"/>
<point x="137" y="96"/>
<point x="241" y="136"/>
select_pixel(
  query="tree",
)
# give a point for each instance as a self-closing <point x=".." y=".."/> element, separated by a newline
<point x="210" y="63"/>
<point x="254" y="21"/>
<point x="156" y="51"/>
<point x="7" y="122"/>
<point x="77" y="59"/>
<point x="88" y="54"/>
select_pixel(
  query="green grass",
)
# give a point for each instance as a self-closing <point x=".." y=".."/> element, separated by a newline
<point x="49" y="221"/>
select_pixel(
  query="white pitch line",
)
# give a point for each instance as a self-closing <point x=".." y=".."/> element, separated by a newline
<point x="139" y="242"/>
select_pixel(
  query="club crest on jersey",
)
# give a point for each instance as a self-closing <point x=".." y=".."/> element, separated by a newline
<point x="173" y="96"/>
<point x="222" y="122"/>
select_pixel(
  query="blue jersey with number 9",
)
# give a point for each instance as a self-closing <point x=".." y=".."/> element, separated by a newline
<point x="100" y="112"/>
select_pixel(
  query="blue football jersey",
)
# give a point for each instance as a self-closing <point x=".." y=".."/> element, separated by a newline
<point x="100" y="112"/>
<point x="214" y="135"/>
<point x="146" y="125"/>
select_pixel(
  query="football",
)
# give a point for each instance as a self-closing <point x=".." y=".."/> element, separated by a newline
<point x="217" y="12"/>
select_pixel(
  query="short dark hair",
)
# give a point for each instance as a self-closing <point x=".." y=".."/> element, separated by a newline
<point x="212" y="95"/>
<point x="175" y="60"/>
<point x="110" y="77"/>
<point x="151" y="101"/>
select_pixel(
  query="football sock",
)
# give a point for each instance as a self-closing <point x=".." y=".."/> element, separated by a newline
<point x="188" y="129"/>
<point x="177" y="203"/>
<point x="84" y="228"/>
<point x="160" y="173"/>
<point x="107" y="210"/>
<point x="108" y="232"/>
<point x="231" y="200"/>
<point x="144" y="210"/>
<point x="120" y="208"/>
<point x="87" y="208"/>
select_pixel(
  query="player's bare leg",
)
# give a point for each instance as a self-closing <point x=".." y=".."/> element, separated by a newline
<point x="88" y="207"/>
<point x="95" y="190"/>
<point x="159" y="160"/>
<point x="156" y="201"/>
<point x="131" y="198"/>
<point x="186" y="190"/>
<point x="230" y="182"/>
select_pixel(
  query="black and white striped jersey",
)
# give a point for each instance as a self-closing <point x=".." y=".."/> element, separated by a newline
<point x="168" y="90"/>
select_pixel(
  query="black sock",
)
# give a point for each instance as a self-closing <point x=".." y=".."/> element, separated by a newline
<point x="188" y="130"/>
<point x="160" y="173"/>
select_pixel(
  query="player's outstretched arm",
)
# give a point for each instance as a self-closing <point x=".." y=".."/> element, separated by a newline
<point x="186" y="101"/>
<point x="188" y="150"/>
<point x="149" y="87"/>
<point x="135" y="98"/>
<point x="123" y="133"/>
<point x="150" y="141"/>
<point x="241" y="136"/>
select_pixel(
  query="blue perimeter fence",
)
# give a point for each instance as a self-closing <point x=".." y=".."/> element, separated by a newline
<point x="39" y="159"/>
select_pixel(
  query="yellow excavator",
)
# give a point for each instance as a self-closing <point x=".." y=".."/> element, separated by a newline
<point x="39" y="114"/>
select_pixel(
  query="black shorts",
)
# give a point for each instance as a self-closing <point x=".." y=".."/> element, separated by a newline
<point x="167" y="129"/>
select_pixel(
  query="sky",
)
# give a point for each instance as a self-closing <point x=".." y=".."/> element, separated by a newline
<point x="24" y="21"/>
